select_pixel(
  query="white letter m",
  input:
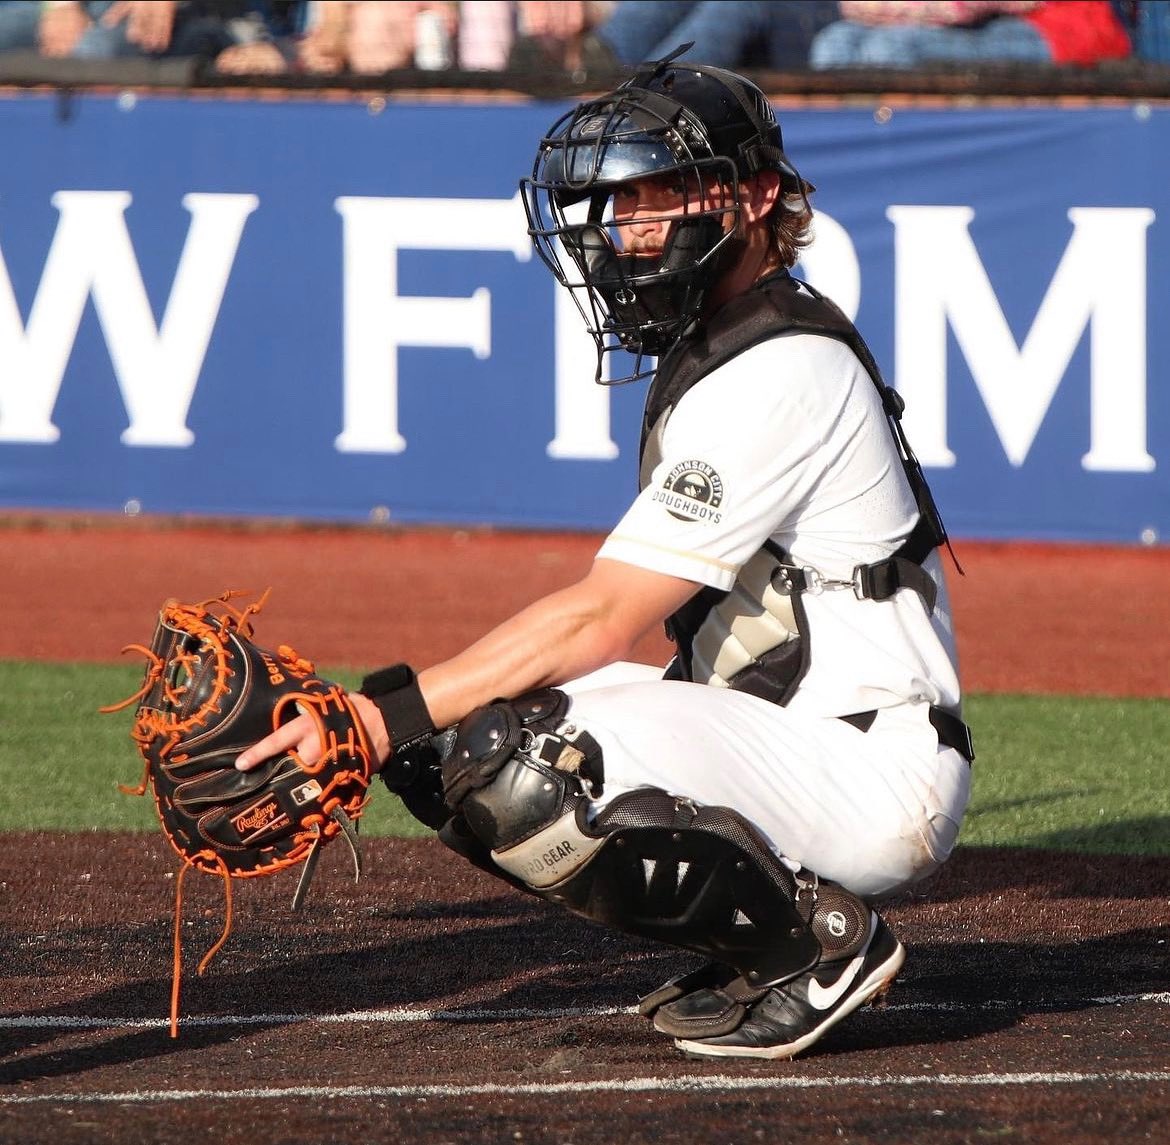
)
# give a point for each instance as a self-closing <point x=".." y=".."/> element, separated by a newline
<point x="1100" y="283"/>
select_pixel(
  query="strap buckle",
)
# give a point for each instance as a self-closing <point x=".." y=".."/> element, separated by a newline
<point x="805" y="578"/>
<point x="864" y="581"/>
<point x="816" y="582"/>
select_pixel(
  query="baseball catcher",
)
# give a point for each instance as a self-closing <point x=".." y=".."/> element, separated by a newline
<point x="804" y="753"/>
<point x="209" y="692"/>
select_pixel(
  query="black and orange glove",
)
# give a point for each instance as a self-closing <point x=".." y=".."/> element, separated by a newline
<point x="209" y="693"/>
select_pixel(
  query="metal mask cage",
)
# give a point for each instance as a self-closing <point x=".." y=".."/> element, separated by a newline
<point x="634" y="303"/>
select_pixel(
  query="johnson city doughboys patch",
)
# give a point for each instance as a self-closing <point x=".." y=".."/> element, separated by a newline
<point x="692" y="491"/>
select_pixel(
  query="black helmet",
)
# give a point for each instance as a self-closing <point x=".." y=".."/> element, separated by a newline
<point x="710" y="125"/>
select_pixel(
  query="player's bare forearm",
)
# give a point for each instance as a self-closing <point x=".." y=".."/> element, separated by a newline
<point x="562" y="636"/>
<point x="558" y="638"/>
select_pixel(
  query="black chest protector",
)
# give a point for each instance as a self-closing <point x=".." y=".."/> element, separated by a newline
<point x="782" y="305"/>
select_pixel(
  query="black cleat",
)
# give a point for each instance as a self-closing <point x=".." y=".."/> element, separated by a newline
<point x="789" y="1018"/>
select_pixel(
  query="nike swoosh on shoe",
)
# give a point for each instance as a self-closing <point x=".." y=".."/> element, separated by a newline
<point x="824" y="997"/>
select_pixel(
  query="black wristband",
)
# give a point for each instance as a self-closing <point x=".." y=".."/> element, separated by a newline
<point x="396" y="694"/>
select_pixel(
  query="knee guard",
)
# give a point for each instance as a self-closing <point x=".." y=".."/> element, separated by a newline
<point x="650" y="864"/>
<point x="516" y="775"/>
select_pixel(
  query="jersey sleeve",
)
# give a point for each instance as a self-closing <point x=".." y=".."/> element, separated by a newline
<point x="741" y="457"/>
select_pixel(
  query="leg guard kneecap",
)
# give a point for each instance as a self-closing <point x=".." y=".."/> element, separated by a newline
<point x="532" y="725"/>
<point x="533" y="819"/>
<point x="522" y="778"/>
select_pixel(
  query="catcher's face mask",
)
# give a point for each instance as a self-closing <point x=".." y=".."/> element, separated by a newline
<point x="634" y="202"/>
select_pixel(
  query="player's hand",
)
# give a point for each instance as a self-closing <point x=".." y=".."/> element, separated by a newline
<point x="300" y="735"/>
<point x="376" y="731"/>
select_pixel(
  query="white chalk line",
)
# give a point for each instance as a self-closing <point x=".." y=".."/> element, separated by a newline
<point x="404" y="1015"/>
<point x="411" y="1014"/>
<point x="683" y="1084"/>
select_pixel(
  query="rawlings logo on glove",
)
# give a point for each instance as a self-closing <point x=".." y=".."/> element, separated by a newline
<point x="208" y="694"/>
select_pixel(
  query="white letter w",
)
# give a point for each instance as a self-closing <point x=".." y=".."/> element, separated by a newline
<point x="156" y="367"/>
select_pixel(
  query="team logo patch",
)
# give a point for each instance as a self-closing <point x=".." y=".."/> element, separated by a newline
<point x="692" y="491"/>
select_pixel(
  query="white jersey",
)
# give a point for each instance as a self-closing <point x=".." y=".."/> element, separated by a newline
<point x="788" y="443"/>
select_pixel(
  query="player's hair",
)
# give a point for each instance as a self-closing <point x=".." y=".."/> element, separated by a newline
<point x="791" y="222"/>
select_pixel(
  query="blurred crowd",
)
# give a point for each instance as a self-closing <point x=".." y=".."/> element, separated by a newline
<point x="586" y="37"/>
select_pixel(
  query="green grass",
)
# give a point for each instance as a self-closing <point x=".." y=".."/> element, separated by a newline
<point x="1071" y="774"/>
<point x="1057" y="773"/>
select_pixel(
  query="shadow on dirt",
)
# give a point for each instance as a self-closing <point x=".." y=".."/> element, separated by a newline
<point x="949" y="991"/>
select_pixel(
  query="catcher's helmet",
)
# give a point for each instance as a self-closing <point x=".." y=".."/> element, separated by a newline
<point x="712" y="127"/>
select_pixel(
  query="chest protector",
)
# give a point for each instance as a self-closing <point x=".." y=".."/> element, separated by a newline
<point x="754" y="638"/>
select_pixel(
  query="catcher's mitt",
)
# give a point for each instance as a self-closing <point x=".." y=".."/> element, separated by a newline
<point x="209" y="693"/>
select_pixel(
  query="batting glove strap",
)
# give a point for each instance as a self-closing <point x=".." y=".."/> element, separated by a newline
<point x="395" y="692"/>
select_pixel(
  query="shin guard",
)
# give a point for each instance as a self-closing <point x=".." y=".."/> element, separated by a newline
<point x="650" y="865"/>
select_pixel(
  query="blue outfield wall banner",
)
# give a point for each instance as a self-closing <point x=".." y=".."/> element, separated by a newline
<point x="330" y="310"/>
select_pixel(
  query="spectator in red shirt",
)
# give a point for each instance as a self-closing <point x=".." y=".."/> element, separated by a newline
<point x="896" y="34"/>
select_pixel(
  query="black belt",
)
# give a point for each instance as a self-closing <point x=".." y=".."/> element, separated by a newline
<point x="952" y="732"/>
